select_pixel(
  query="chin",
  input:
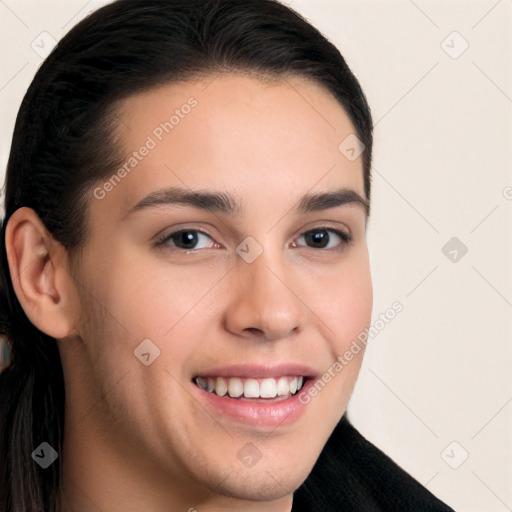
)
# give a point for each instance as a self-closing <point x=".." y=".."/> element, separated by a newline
<point x="261" y="484"/>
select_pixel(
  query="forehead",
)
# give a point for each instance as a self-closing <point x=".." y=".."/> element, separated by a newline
<point x="237" y="133"/>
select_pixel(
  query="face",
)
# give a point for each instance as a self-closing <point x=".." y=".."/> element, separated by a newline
<point x="244" y="277"/>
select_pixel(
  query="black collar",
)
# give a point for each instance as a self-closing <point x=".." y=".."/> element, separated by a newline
<point x="353" y="475"/>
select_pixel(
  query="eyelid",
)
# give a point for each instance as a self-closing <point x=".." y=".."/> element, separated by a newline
<point x="327" y="225"/>
<point x="171" y="230"/>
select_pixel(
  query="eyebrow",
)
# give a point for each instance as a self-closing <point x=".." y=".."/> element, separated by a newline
<point x="222" y="202"/>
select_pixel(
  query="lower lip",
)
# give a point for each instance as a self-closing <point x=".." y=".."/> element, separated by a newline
<point x="266" y="414"/>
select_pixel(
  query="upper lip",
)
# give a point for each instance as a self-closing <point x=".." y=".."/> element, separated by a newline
<point x="260" y="371"/>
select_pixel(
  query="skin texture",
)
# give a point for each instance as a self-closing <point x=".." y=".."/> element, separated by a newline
<point x="136" y="438"/>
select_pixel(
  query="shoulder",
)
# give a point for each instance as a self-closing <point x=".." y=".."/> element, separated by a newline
<point x="352" y="474"/>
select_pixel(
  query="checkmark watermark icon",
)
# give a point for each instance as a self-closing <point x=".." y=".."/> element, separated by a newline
<point x="45" y="455"/>
<point x="249" y="249"/>
<point x="43" y="44"/>
<point x="455" y="455"/>
<point x="454" y="45"/>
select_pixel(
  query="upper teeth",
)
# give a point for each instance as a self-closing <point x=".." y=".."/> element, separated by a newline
<point x="251" y="388"/>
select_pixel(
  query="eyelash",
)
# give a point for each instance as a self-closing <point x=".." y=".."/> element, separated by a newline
<point x="346" y="238"/>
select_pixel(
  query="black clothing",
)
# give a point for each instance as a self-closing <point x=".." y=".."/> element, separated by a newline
<point x="353" y="475"/>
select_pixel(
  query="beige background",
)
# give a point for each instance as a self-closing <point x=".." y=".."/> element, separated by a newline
<point x="439" y="372"/>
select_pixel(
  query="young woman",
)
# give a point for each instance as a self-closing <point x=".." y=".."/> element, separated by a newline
<point x="185" y="270"/>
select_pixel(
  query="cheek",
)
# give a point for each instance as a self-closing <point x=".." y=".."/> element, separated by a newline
<point x="355" y="306"/>
<point x="343" y="301"/>
<point x="152" y="300"/>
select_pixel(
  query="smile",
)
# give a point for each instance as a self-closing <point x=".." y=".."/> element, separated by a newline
<point x="250" y="388"/>
<point x="260" y="395"/>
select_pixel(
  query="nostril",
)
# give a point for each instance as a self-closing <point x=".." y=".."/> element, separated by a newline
<point x="254" y="330"/>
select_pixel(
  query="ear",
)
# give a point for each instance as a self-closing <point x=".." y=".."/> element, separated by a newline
<point x="39" y="274"/>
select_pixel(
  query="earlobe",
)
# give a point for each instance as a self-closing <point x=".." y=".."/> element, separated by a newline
<point x="34" y="268"/>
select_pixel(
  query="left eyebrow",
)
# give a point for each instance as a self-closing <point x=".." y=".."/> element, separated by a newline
<point x="222" y="202"/>
<point x="325" y="200"/>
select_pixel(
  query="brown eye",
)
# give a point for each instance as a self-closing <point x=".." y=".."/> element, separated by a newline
<point x="185" y="239"/>
<point x="325" y="238"/>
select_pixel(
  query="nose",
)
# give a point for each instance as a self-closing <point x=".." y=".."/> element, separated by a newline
<point x="263" y="304"/>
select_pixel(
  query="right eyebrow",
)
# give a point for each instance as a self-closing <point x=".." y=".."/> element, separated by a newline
<point x="216" y="202"/>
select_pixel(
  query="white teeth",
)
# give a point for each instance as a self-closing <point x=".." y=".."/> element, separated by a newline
<point x="251" y="388"/>
<point x="283" y="387"/>
<point x="237" y="387"/>
<point x="268" y="388"/>
<point x="221" y="387"/>
<point x="293" y="385"/>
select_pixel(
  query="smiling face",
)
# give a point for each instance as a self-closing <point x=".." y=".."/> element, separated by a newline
<point x="265" y="284"/>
